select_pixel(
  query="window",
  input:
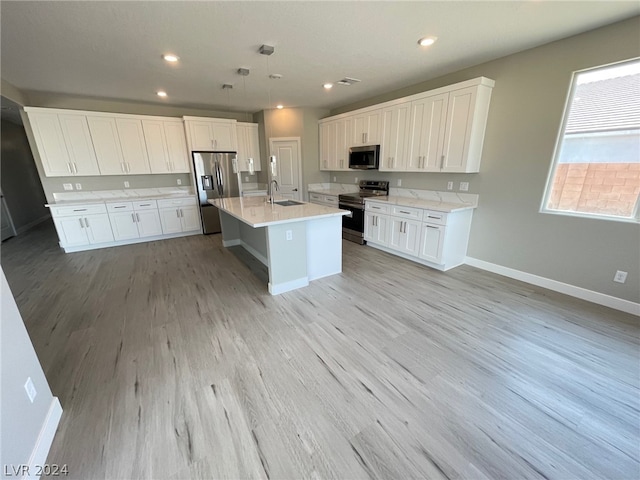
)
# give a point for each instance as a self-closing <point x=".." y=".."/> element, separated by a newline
<point x="596" y="169"/>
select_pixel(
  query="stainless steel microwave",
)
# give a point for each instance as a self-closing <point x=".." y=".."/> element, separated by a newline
<point x="364" y="158"/>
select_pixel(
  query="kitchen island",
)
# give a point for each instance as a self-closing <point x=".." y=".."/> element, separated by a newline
<point x="297" y="243"/>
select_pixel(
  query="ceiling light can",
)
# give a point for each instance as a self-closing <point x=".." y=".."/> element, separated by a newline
<point x="426" y="41"/>
<point x="161" y="93"/>
<point x="328" y="86"/>
<point x="280" y="107"/>
<point x="170" y="57"/>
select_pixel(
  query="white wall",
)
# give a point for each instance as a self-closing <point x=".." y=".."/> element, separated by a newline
<point x="26" y="429"/>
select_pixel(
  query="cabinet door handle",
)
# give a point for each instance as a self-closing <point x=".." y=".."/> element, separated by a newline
<point x="69" y="168"/>
<point x="178" y="212"/>
<point x="181" y="214"/>
<point x="402" y="211"/>
<point x="81" y="224"/>
<point x="133" y="218"/>
<point x="137" y="218"/>
<point x="128" y="167"/>
<point x="86" y="222"/>
<point x="75" y="167"/>
<point x="122" y="167"/>
<point x="441" y="162"/>
<point x="431" y="226"/>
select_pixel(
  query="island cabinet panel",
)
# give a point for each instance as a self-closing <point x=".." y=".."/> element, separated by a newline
<point x="63" y="143"/>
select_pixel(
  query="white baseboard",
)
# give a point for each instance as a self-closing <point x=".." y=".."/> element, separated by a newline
<point x="45" y="439"/>
<point x="131" y="241"/>
<point x="288" y="286"/>
<point x="231" y="243"/>
<point x="30" y="225"/>
<point x="578" y="292"/>
<point x="255" y="253"/>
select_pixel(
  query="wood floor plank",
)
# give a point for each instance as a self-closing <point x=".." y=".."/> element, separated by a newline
<point x="172" y="361"/>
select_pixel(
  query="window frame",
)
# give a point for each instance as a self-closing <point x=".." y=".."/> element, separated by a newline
<point x="635" y="218"/>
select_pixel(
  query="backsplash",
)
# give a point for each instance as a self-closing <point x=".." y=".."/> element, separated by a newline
<point x="449" y="197"/>
<point x="132" y="193"/>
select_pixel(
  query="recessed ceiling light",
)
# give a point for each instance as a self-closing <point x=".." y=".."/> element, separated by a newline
<point x="327" y="86"/>
<point x="161" y="93"/>
<point x="279" y="107"/>
<point x="170" y="57"/>
<point x="426" y="41"/>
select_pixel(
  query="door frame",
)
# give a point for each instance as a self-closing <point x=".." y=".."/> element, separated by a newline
<point x="298" y="143"/>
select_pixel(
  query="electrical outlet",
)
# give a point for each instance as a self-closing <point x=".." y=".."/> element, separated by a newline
<point x="399" y="183"/>
<point x="78" y="186"/>
<point x="464" y="186"/>
<point x="126" y="184"/>
<point x="356" y="180"/>
<point x="67" y="186"/>
<point x="246" y="179"/>
<point x="334" y="178"/>
<point x="450" y="186"/>
<point x="289" y="234"/>
<point x="620" y="276"/>
<point x="179" y="182"/>
<point x="30" y="389"/>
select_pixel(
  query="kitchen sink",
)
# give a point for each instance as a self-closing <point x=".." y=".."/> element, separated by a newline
<point x="288" y="203"/>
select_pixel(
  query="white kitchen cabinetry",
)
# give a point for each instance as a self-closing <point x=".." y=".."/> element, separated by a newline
<point x="248" y="146"/>
<point x="436" y="239"/>
<point x="395" y="135"/>
<point x="211" y="134"/>
<point x="428" y="119"/>
<point x="119" y="145"/>
<point x="82" y="225"/>
<point x="134" y="219"/>
<point x="166" y="145"/>
<point x="335" y="140"/>
<point x="64" y="143"/>
<point x="322" y="199"/>
<point x="179" y="215"/>
<point x="443" y="133"/>
<point x="366" y="128"/>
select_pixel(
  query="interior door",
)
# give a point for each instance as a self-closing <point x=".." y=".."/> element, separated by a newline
<point x="287" y="153"/>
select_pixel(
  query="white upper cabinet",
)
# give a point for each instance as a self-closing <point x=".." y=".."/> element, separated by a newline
<point x="441" y="130"/>
<point x="395" y="134"/>
<point x="335" y="140"/>
<point x="366" y="128"/>
<point x="166" y="145"/>
<point x="104" y="133"/>
<point x="428" y="116"/>
<point x="134" y="149"/>
<point x="248" y="146"/>
<point x="211" y="134"/>
<point x="64" y="144"/>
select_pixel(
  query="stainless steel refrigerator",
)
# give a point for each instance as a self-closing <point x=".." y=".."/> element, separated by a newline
<point x="215" y="178"/>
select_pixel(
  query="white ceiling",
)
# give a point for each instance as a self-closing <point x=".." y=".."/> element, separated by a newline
<point x="113" y="49"/>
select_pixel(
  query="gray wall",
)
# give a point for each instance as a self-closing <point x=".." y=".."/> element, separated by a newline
<point x="21" y="420"/>
<point x="524" y="118"/>
<point x="294" y="122"/>
<point x="19" y="178"/>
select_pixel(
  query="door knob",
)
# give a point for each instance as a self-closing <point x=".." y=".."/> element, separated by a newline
<point x="295" y="189"/>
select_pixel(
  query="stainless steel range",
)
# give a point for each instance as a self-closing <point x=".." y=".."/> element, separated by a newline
<point x="353" y="227"/>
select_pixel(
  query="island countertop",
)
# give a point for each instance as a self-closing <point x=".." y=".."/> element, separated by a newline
<point x="256" y="212"/>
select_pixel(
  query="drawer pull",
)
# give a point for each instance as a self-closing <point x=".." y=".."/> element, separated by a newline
<point x="434" y="216"/>
<point x="121" y="206"/>
<point x="80" y="210"/>
<point x="431" y="226"/>
<point x="402" y="211"/>
<point x="145" y="204"/>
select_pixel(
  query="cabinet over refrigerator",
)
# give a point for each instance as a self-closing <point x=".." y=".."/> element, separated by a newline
<point x="216" y="176"/>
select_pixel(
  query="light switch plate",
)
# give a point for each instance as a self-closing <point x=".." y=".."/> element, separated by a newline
<point x="126" y="184"/>
<point x="399" y="182"/>
<point x="67" y="186"/>
<point x="30" y="389"/>
<point x="620" y="277"/>
<point x="179" y="182"/>
<point x="450" y="186"/>
<point x="464" y="186"/>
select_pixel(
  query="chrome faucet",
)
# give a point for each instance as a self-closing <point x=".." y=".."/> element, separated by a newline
<point x="272" y="183"/>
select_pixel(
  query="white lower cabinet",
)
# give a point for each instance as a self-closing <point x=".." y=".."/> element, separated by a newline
<point x="179" y="215"/>
<point x="99" y="225"/>
<point x="436" y="239"/>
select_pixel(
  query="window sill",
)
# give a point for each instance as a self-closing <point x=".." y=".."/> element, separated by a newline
<point x="591" y="216"/>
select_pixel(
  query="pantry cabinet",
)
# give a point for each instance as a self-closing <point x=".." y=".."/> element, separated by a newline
<point x="248" y="146"/>
<point x="167" y="146"/>
<point x="211" y="134"/>
<point x="63" y="143"/>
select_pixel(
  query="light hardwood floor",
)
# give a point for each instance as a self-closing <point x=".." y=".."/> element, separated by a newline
<point x="172" y="361"/>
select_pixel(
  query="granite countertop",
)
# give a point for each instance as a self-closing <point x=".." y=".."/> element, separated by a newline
<point x="256" y="212"/>
<point x="130" y="195"/>
<point x="446" y="207"/>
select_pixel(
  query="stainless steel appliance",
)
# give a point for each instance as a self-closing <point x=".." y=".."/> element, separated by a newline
<point x="364" y="158"/>
<point x="353" y="227"/>
<point x="217" y="176"/>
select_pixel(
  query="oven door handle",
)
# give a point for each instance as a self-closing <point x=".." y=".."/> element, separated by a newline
<point x="357" y="206"/>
